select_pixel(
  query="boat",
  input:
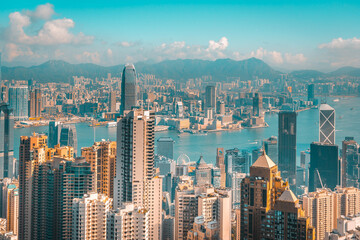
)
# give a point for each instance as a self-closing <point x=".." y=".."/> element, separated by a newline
<point x="336" y="100"/>
<point x="111" y="124"/>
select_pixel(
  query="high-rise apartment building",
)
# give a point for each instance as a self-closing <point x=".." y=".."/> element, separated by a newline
<point x="324" y="207"/>
<point x="325" y="167"/>
<point x="6" y="141"/>
<point x="68" y="137"/>
<point x="210" y="97"/>
<point x="165" y="147"/>
<point x="31" y="153"/>
<point x="287" y="147"/>
<point x="49" y="180"/>
<point x="18" y="101"/>
<point x="186" y="207"/>
<point x="112" y="101"/>
<point x="220" y="163"/>
<point x="269" y="209"/>
<point x="135" y="157"/>
<point x="326" y="124"/>
<point x="128" y="222"/>
<point x="257" y="104"/>
<point x="35" y="106"/>
<point x="12" y="216"/>
<point x="128" y="88"/>
<point x="89" y="216"/>
<point x="135" y="182"/>
<point x="102" y="158"/>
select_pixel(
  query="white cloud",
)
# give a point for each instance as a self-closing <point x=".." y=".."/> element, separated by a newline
<point x="295" y="59"/>
<point x="342" y="43"/>
<point x="92" y="57"/>
<point x="271" y="56"/>
<point x="53" y="32"/>
<point x="126" y="44"/>
<point x="222" y="44"/>
<point x="13" y="51"/>
<point x="43" y="12"/>
<point x="109" y="52"/>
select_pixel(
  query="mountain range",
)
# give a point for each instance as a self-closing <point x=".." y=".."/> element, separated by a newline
<point x="180" y="70"/>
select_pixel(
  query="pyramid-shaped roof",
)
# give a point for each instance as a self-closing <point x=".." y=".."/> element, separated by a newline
<point x="201" y="162"/>
<point x="288" y="196"/>
<point x="264" y="162"/>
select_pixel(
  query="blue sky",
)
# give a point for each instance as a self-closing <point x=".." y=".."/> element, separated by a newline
<point x="286" y="34"/>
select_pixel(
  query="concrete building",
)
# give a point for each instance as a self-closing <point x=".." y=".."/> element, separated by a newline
<point x="324" y="207"/>
<point x="348" y="228"/>
<point x="127" y="222"/>
<point x="203" y="174"/>
<point x="257" y="105"/>
<point x="220" y="163"/>
<point x="326" y="124"/>
<point x="135" y="182"/>
<point x="186" y="207"/>
<point x="350" y="167"/>
<point x="112" y="101"/>
<point x="6" y="141"/>
<point x="210" y="97"/>
<point x="18" y="101"/>
<point x="165" y="147"/>
<point x="267" y="203"/>
<point x="102" y="158"/>
<point x="89" y="216"/>
<point x="271" y="148"/>
<point x="68" y="137"/>
<point x="35" y="106"/>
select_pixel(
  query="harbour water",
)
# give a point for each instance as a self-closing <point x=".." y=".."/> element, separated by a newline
<point x="347" y="124"/>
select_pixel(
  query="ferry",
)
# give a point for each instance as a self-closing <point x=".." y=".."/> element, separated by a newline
<point x="111" y="124"/>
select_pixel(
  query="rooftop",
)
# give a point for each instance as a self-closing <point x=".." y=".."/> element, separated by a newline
<point x="264" y="162"/>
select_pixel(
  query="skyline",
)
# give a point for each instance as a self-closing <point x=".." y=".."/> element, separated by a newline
<point x="132" y="32"/>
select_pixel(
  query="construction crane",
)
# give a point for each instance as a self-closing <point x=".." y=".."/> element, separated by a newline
<point x="322" y="186"/>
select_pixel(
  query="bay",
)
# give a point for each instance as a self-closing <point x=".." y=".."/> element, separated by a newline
<point x="347" y="124"/>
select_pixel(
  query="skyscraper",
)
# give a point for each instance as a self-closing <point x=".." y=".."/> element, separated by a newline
<point x="135" y="182"/>
<point x="324" y="161"/>
<point x="112" y="101"/>
<point x="35" y="103"/>
<point x="6" y="141"/>
<point x="287" y="146"/>
<point x="327" y="124"/>
<point x="271" y="148"/>
<point x="165" y="147"/>
<point x="68" y="137"/>
<point x="54" y="133"/>
<point x="31" y="153"/>
<point x="220" y="163"/>
<point x="102" y="158"/>
<point x="128" y="88"/>
<point x="269" y="209"/>
<point x="311" y="92"/>
<point x="89" y="216"/>
<point x="18" y="101"/>
<point x="257" y="104"/>
<point x="349" y="141"/>
<point x="210" y="97"/>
